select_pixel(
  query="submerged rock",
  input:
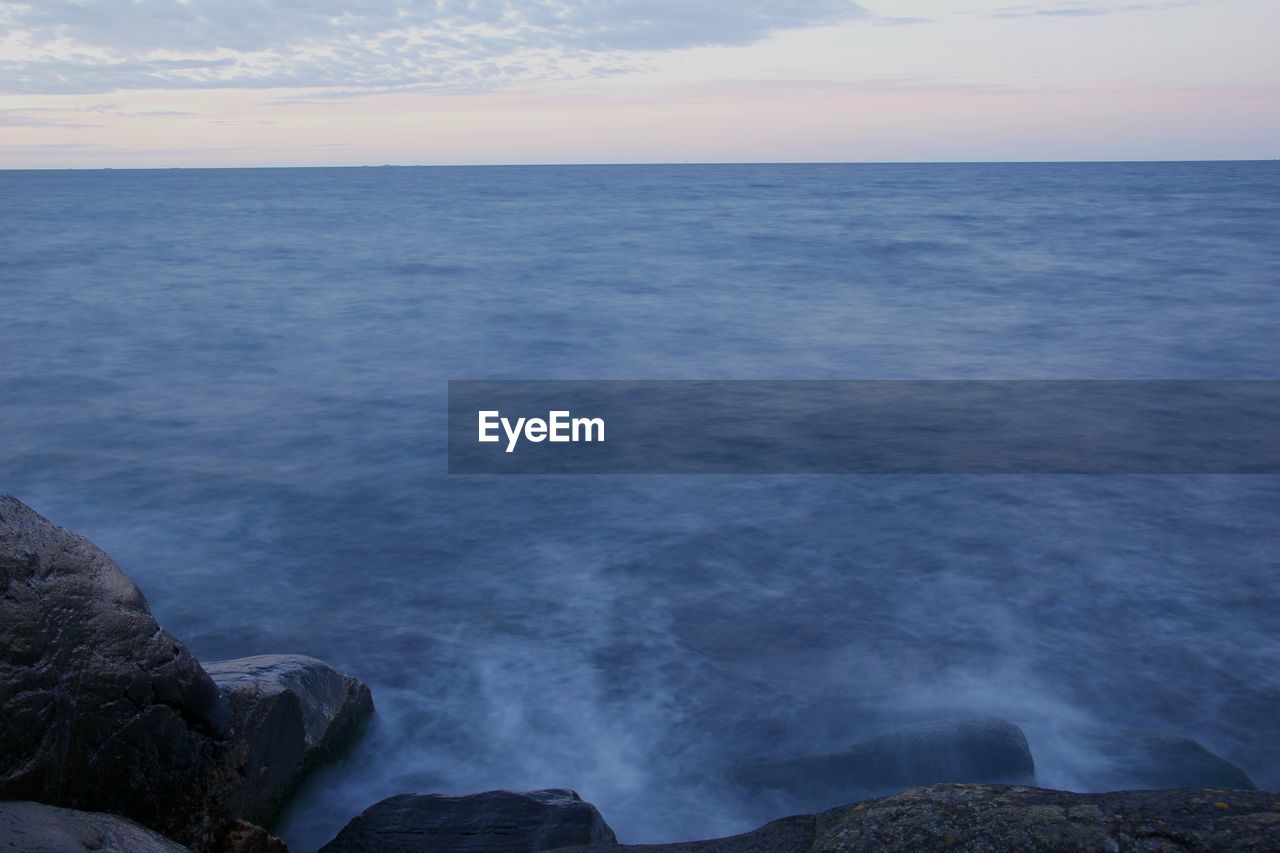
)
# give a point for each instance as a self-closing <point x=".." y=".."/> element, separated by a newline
<point x="494" y="822"/>
<point x="37" y="828"/>
<point x="1000" y="817"/>
<point x="104" y="710"/>
<point x="290" y="712"/>
<point x="1151" y="759"/>
<point x="967" y="749"/>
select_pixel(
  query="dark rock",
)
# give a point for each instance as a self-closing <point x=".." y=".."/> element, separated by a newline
<point x="240" y="836"/>
<point x="1148" y="759"/>
<point x="290" y="713"/>
<point x="494" y="822"/>
<point x="1001" y="817"/>
<point x="103" y="709"/>
<point x="968" y="749"/>
<point x="992" y="817"/>
<point x="37" y="828"/>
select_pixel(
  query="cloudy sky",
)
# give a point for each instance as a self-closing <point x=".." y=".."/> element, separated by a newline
<point x="89" y="83"/>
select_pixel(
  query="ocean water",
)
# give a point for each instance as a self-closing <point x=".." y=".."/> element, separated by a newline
<point x="234" y="382"/>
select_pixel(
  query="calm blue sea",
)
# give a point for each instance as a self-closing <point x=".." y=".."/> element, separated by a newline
<point x="234" y="382"/>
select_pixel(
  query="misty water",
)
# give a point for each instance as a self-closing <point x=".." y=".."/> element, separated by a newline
<point x="234" y="382"/>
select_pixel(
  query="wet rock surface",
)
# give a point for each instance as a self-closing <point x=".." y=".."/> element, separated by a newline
<point x="494" y="822"/>
<point x="290" y="713"/>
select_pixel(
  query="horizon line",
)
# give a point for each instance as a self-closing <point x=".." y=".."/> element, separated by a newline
<point x="649" y="163"/>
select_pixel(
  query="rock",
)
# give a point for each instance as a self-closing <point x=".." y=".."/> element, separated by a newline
<point x="37" y="828"/>
<point x="1150" y="759"/>
<point x="290" y="712"/>
<point x="103" y="709"/>
<point x="967" y="749"/>
<point x="994" y="817"/>
<point x="240" y="836"/>
<point x="1001" y="817"/>
<point x="494" y="822"/>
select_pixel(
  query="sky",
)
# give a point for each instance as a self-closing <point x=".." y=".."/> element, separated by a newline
<point x="161" y="83"/>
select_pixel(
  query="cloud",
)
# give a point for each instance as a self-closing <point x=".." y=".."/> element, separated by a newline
<point x="62" y="46"/>
<point x="796" y="89"/>
<point x="23" y="119"/>
<point x="1089" y="10"/>
<point x="890" y="21"/>
<point x="52" y="146"/>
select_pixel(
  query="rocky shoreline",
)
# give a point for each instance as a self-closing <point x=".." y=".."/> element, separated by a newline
<point x="116" y="738"/>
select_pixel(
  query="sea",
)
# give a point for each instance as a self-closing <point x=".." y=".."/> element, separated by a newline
<point x="234" y="382"/>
